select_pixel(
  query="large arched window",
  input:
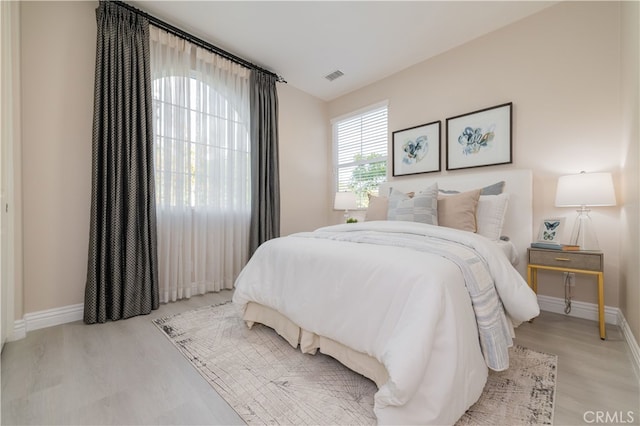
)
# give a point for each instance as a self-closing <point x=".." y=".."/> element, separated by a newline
<point x="202" y="166"/>
<point x="202" y="146"/>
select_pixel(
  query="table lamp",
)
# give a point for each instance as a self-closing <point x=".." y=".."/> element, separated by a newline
<point x="585" y="190"/>
<point x="345" y="201"/>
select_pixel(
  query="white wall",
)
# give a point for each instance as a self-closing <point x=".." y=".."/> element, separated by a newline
<point x="561" y="70"/>
<point x="58" y="61"/>
<point x="304" y="160"/>
<point x="630" y="165"/>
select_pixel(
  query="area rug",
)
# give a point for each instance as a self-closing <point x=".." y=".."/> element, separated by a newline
<point x="266" y="381"/>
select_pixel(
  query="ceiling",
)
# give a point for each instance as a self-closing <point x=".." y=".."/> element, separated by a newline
<point x="303" y="41"/>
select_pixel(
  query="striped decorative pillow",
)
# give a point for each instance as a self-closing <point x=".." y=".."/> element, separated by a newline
<point x="423" y="207"/>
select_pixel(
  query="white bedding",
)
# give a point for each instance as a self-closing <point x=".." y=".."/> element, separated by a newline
<point x="509" y="250"/>
<point x="400" y="304"/>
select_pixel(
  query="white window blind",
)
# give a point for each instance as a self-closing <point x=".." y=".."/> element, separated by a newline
<point x="361" y="143"/>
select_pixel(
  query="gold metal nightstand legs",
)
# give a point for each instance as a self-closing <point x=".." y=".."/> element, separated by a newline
<point x="532" y="280"/>
<point x="601" y="305"/>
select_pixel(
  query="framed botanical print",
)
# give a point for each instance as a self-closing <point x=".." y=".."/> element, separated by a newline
<point x="416" y="149"/>
<point x="480" y="138"/>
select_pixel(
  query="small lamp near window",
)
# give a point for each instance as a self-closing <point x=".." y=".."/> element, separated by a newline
<point x="345" y="201"/>
<point x="585" y="190"/>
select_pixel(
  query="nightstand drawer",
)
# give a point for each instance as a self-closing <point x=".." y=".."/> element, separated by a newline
<point x="562" y="259"/>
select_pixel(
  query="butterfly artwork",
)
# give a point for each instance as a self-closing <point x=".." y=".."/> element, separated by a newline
<point x="550" y="230"/>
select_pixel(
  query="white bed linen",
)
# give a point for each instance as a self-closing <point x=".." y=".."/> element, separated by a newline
<point x="509" y="250"/>
<point x="407" y="309"/>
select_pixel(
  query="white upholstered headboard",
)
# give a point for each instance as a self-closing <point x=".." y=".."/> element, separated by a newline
<point x="518" y="183"/>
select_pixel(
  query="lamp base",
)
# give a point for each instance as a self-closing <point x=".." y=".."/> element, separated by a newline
<point x="584" y="234"/>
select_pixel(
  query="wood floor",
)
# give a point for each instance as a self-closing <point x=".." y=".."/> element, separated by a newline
<point x="127" y="372"/>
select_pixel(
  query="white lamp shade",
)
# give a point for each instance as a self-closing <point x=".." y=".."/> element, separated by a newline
<point x="345" y="201"/>
<point x="585" y="189"/>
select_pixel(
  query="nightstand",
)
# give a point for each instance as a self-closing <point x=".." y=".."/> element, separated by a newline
<point x="579" y="262"/>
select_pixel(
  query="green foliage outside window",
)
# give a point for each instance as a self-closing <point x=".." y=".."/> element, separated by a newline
<point x="367" y="175"/>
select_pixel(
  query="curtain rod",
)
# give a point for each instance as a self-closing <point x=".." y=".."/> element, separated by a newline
<point x="198" y="41"/>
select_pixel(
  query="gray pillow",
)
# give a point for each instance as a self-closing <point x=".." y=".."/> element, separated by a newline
<point x="494" y="189"/>
<point x="422" y="208"/>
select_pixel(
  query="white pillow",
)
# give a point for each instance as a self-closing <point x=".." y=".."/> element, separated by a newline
<point x="490" y="215"/>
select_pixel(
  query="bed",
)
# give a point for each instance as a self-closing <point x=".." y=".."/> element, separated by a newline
<point x="422" y="310"/>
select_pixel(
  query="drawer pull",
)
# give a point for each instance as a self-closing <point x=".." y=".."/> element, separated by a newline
<point x="563" y="259"/>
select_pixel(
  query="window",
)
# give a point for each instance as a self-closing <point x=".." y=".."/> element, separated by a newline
<point x="201" y="114"/>
<point x="360" y="147"/>
<point x="202" y="146"/>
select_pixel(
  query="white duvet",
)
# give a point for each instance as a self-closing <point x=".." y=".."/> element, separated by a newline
<point x="403" y="304"/>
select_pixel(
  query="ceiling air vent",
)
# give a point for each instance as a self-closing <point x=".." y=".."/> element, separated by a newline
<point x="334" y="75"/>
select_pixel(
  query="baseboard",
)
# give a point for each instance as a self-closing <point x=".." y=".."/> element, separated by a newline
<point x="579" y="309"/>
<point x="47" y="318"/>
<point x="590" y="311"/>
<point x="19" y="331"/>
<point x="631" y="340"/>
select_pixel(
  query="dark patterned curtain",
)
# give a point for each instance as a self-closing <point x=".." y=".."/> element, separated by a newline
<point x="265" y="181"/>
<point x="122" y="268"/>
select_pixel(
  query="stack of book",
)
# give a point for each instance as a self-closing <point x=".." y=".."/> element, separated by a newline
<point x="555" y="246"/>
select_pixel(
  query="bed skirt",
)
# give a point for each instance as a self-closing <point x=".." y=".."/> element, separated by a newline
<point x="310" y="342"/>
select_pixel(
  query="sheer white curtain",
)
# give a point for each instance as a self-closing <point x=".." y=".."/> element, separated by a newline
<point x="202" y="166"/>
